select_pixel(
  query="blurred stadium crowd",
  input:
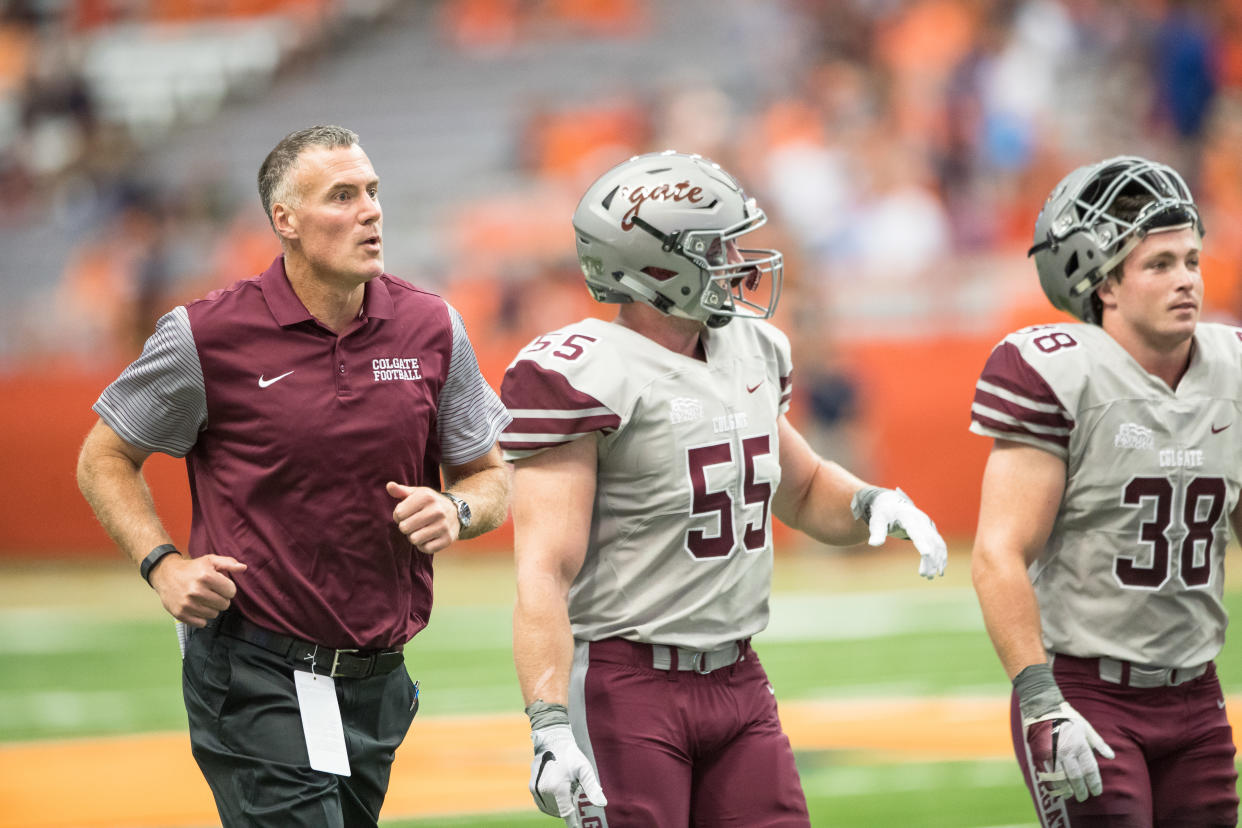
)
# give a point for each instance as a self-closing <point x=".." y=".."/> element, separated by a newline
<point x="900" y="146"/>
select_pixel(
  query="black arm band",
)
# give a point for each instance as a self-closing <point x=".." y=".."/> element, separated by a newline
<point x="157" y="555"/>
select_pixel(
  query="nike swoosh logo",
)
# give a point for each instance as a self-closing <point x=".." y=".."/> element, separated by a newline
<point x="1216" y="430"/>
<point x="750" y="389"/>
<point x="1221" y="704"/>
<point x="264" y="383"/>
<point x="548" y="756"/>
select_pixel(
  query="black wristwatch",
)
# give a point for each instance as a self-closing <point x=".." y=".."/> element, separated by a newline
<point x="157" y="555"/>
<point x="463" y="509"/>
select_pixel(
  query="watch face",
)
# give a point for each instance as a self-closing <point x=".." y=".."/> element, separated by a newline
<point x="463" y="509"/>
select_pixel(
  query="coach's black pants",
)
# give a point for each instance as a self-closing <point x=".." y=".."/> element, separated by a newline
<point x="246" y="734"/>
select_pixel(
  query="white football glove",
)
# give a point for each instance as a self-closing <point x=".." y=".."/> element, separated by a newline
<point x="559" y="773"/>
<point x="892" y="512"/>
<point x="1063" y="746"/>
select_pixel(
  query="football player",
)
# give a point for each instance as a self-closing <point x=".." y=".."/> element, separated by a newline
<point x="650" y="454"/>
<point x="1106" y="506"/>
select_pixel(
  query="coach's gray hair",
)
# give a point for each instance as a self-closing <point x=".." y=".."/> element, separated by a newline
<point x="274" y="173"/>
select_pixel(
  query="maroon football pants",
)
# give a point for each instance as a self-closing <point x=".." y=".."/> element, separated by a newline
<point x="674" y="748"/>
<point x="1175" y="754"/>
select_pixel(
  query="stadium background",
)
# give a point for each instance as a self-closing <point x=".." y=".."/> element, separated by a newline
<point x="901" y="148"/>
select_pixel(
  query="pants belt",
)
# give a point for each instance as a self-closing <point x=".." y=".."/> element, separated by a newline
<point x="699" y="661"/>
<point x="1138" y="675"/>
<point x="1129" y="674"/>
<point x="325" y="660"/>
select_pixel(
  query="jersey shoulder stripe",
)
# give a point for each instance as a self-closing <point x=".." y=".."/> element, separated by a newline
<point x="552" y="411"/>
<point x="546" y="407"/>
<point x="1015" y="401"/>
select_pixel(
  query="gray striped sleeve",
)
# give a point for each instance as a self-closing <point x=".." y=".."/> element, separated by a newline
<point x="471" y="415"/>
<point x="159" y="402"/>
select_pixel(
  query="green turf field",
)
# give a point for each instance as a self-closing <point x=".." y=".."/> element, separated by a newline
<point x="88" y="651"/>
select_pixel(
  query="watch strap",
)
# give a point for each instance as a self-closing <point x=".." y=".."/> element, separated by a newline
<point x="464" y="516"/>
<point x="156" y="555"/>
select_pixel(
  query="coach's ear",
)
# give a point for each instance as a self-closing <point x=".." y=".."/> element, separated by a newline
<point x="285" y="221"/>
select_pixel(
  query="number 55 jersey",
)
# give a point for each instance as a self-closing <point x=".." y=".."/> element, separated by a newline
<point x="680" y="547"/>
<point x="1134" y="566"/>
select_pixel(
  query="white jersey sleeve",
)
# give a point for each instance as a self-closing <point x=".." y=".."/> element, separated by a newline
<point x="680" y="548"/>
<point x="1133" y="568"/>
<point x="470" y="414"/>
<point x="159" y="402"/>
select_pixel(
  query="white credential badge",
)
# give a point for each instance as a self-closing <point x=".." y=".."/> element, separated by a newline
<point x="321" y="722"/>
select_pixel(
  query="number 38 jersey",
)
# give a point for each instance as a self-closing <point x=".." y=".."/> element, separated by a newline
<point x="680" y="548"/>
<point x="1134" y="567"/>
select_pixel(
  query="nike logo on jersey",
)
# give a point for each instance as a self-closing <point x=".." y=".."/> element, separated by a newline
<point x="264" y="383"/>
<point x="750" y="389"/>
<point x="1216" y="430"/>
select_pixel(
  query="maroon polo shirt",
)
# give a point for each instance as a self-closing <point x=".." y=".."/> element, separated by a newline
<point x="304" y="428"/>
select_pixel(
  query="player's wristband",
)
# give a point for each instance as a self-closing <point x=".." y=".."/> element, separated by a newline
<point x="157" y="555"/>
<point x="1037" y="691"/>
<point x="546" y="714"/>
<point x="860" y="503"/>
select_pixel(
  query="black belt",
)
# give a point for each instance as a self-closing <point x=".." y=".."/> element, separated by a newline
<point x="325" y="660"/>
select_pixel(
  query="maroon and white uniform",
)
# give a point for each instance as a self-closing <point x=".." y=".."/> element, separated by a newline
<point x="1129" y="583"/>
<point x="679" y="556"/>
<point x="681" y="545"/>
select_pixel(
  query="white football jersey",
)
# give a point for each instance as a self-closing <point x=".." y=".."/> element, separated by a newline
<point x="1134" y="567"/>
<point x="680" y="550"/>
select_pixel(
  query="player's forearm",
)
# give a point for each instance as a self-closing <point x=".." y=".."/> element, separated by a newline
<point x="1010" y="611"/>
<point x="542" y="646"/>
<point x="487" y="492"/>
<point x="821" y="507"/>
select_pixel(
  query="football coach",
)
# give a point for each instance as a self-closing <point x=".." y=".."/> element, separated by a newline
<point x="319" y="406"/>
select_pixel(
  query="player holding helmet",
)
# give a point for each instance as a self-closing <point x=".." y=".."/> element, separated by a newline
<point x="650" y="452"/>
<point x="1114" y="477"/>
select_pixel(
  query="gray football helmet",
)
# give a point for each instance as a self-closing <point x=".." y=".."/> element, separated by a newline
<point x="659" y="229"/>
<point x="1081" y="234"/>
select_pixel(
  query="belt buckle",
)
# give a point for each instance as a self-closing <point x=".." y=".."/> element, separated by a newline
<point x="696" y="663"/>
<point x="336" y="658"/>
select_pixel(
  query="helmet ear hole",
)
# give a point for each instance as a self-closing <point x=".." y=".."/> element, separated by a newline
<point x="1071" y="265"/>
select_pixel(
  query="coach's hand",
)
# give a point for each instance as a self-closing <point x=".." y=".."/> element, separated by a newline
<point x="427" y="518"/>
<point x="196" y="590"/>
<point x="1061" y="742"/>
<point x="559" y="773"/>
<point x="892" y="512"/>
